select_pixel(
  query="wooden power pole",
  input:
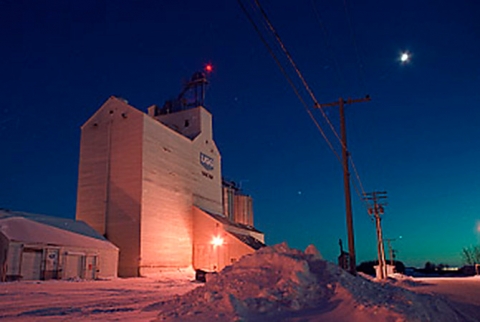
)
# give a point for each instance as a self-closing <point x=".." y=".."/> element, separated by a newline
<point x="391" y="251"/>
<point x="346" y="174"/>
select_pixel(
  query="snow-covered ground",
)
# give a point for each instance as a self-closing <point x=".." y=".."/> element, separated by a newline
<point x="458" y="289"/>
<point x="274" y="284"/>
<point x="118" y="299"/>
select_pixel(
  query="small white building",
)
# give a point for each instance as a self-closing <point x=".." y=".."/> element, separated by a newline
<point x="38" y="247"/>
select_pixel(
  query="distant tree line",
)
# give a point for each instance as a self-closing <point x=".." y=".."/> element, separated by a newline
<point x="470" y="255"/>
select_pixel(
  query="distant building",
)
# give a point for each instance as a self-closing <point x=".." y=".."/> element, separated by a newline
<point x="38" y="247"/>
<point x="152" y="185"/>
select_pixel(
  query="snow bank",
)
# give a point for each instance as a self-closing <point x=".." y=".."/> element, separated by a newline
<point x="278" y="283"/>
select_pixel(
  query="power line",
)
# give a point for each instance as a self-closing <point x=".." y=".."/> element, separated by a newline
<point x="323" y="134"/>
<point x="269" y="25"/>
<point x="327" y="43"/>
<point x="339" y="74"/>
<point x="288" y="78"/>
<point x="355" y="45"/>
<point x="360" y="196"/>
<point x="340" y="103"/>
<point x="294" y="65"/>
<point x="357" y="176"/>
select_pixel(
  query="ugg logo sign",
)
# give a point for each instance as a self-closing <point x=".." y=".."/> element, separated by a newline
<point x="206" y="161"/>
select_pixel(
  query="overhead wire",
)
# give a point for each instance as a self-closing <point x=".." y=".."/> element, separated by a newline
<point x="362" y="81"/>
<point x="288" y="78"/>
<point x="297" y="70"/>
<point x="328" y="46"/>
<point x="304" y="83"/>
<point x="361" y="194"/>
<point x="340" y="78"/>
<point x="357" y="191"/>
<point x="355" y="45"/>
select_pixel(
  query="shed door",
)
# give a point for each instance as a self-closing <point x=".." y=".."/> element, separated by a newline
<point x="91" y="267"/>
<point x="31" y="264"/>
<point x="51" y="263"/>
<point x="73" y="266"/>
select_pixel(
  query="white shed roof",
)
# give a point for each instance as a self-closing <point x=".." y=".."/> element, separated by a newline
<point x="40" y="229"/>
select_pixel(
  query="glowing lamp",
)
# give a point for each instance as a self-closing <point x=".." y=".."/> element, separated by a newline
<point x="217" y="241"/>
<point x="208" y="68"/>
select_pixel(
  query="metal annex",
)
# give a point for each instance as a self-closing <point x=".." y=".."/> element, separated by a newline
<point x="39" y="247"/>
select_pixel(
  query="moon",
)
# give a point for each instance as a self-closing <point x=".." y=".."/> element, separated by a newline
<point x="405" y="57"/>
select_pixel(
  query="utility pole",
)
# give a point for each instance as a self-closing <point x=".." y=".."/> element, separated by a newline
<point x="376" y="211"/>
<point x="391" y="251"/>
<point x="346" y="174"/>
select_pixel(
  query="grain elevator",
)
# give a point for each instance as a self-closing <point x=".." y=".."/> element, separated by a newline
<point x="151" y="183"/>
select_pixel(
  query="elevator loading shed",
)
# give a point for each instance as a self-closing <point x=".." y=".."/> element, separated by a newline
<point x="38" y="247"/>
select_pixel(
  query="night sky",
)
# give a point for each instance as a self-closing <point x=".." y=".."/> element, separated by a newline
<point x="418" y="138"/>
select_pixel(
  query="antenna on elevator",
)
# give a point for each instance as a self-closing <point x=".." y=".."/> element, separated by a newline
<point x="192" y="94"/>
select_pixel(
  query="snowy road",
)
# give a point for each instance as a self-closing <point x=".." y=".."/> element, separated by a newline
<point x="458" y="289"/>
<point x="125" y="299"/>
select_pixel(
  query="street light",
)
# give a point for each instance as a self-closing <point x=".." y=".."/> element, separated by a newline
<point x="217" y="241"/>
